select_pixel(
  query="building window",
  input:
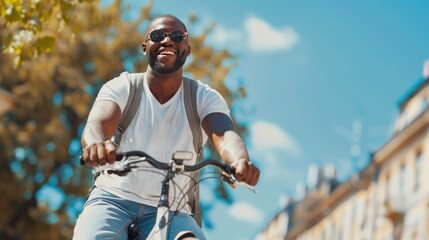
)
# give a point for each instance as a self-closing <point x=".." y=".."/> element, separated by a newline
<point x="402" y="121"/>
<point x="386" y="188"/>
<point x="365" y="213"/>
<point x="339" y="233"/>
<point x="427" y="220"/>
<point x="424" y="105"/>
<point x="402" y="181"/>
<point x="418" y="172"/>
<point x="415" y="235"/>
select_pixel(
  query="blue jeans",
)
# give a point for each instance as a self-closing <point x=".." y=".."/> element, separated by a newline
<point x="107" y="216"/>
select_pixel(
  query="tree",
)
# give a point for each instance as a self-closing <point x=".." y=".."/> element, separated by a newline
<point x="54" y="75"/>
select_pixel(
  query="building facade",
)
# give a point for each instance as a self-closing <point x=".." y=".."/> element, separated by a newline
<point x="387" y="200"/>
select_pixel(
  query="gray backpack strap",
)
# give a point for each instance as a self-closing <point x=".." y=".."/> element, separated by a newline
<point x="190" y="88"/>
<point x="190" y="100"/>
<point x="133" y="102"/>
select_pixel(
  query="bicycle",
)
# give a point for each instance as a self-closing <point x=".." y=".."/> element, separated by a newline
<point x="129" y="161"/>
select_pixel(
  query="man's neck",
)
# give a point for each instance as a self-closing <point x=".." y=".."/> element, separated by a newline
<point x="163" y="86"/>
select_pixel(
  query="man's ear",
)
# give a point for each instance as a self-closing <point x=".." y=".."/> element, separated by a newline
<point x="189" y="49"/>
<point x="144" y="48"/>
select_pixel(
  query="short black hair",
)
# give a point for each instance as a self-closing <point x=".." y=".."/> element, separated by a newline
<point x="166" y="16"/>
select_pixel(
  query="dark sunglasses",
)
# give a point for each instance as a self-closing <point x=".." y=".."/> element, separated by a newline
<point x="158" y="35"/>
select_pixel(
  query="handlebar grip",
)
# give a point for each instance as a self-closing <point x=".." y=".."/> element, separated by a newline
<point x="229" y="169"/>
<point x="119" y="157"/>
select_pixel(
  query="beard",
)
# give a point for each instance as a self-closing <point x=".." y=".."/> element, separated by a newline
<point x="160" y="68"/>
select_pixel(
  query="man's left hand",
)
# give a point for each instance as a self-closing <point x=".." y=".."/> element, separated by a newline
<point x="246" y="172"/>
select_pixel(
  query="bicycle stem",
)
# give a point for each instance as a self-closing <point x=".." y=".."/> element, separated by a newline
<point x="165" y="188"/>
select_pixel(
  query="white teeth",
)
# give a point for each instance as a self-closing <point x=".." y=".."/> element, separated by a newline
<point x="166" y="53"/>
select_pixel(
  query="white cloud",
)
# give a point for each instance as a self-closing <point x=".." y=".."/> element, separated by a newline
<point x="264" y="37"/>
<point x="266" y="136"/>
<point x="246" y="212"/>
<point x="277" y="153"/>
<point x="222" y="36"/>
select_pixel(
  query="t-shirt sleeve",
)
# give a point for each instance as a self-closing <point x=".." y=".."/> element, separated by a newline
<point x="115" y="90"/>
<point x="211" y="101"/>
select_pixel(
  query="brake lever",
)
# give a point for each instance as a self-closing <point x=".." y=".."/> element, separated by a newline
<point x="233" y="182"/>
<point x="122" y="167"/>
<point x="243" y="184"/>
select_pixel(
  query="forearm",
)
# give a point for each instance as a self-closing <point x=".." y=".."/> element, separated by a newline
<point x="102" y="122"/>
<point x="93" y="133"/>
<point x="232" y="148"/>
<point x="234" y="152"/>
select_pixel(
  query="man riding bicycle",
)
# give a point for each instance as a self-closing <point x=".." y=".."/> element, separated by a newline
<point x="160" y="127"/>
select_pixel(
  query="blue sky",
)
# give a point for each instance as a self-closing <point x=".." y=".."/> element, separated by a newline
<point x="324" y="80"/>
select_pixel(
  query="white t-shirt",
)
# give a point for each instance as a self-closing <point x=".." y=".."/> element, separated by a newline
<point x="159" y="130"/>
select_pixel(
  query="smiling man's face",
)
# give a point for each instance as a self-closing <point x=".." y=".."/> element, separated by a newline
<point x="166" y="56"/>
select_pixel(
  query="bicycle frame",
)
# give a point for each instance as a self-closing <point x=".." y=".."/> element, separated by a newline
<point x="159" y="230"/>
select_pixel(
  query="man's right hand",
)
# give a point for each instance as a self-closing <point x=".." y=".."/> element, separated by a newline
<point x="99" y="154"/>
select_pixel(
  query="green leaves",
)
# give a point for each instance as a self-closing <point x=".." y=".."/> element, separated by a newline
<point x="32" y="26"/>
<point x="12" y="13"/>
<point x="45" y="44"/>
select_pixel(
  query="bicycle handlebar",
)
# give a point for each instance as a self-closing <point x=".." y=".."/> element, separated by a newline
<point x="176" y="166"/>
<point x="187" y="168"/>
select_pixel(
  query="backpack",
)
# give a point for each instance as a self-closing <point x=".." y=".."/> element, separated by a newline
<point x="190" y="100"/>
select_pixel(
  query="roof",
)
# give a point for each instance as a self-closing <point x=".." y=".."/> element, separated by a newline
<point x="419" y="85"/>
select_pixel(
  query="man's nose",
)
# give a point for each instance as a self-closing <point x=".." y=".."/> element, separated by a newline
<point x="167" y="39"/>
